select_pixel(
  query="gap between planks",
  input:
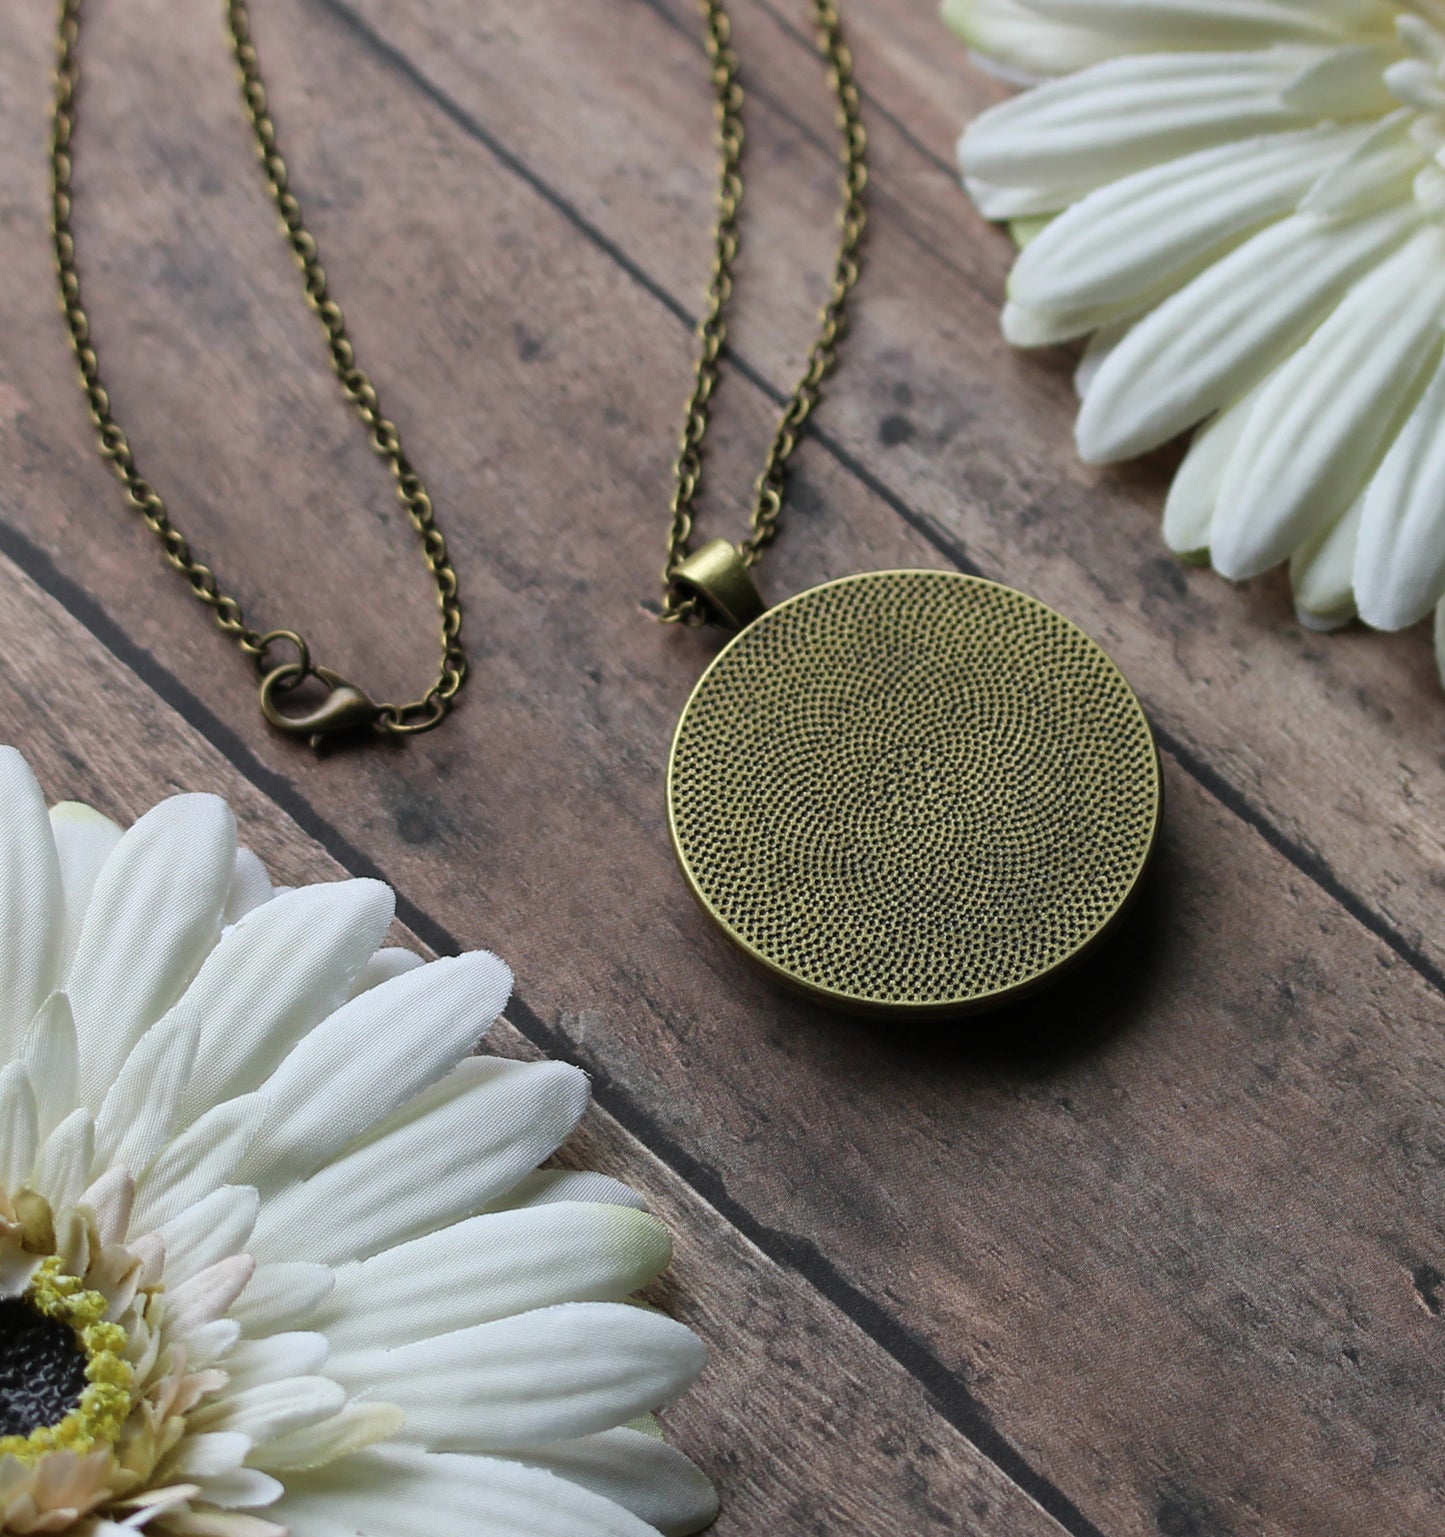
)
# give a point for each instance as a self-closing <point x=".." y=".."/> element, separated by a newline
<point x="946" y="1389"/>
<point x="1004" y="1492"/>
<point x="677" y="311"/>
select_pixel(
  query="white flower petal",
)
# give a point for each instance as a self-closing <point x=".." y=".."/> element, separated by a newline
<point x="1322" y="571"/>
<point x="51" y="1059"/>
<point x="151" y="1503"/>
<point x="200" y="1160"/>
<point x="273" y="1408"/>
<point x="492" y="1266"/>
<point x="84" y="840"/>
<point x="201" y="1521"/>
<point x="372" y="1055"/>
<point x="1344" y="82"/>
<point x="242" y="1489"/>
<point x="1100" y="346"/>
<point x="212" y="1230"/>
<point x="110" y="1199"/>
<point x="19" y="1127"/>
<point x="1144" y="235"/>
<point x="138" y="1113"/>
<point x="256" y="1361"/>
<point x="1321" y="425"/>
<point x="1400" y="568"/>
<point x="1024" y="327"/>
<point x="31" y="901"/>
<point x="282" y="1295"/>
<point x="1006" y="203"/>
<point x="273" y="978"/>
<point x="354" y="1429"/>
<point x="544" y="1185"/>
<point x="1194" y="495"/>
<point x="1378" y="172"/>
<point x="531" y="1379"/>
<point x="380" y="1491"/>
<point x="1440" y="641"/>
<point x="212" y="1342"/>
<point x="155" y="912"/>
<point x="151" y="1252"/>
<point x="386" y="964"/>
<point x="1013" y="36"/>
<point x="250" y="886"/>
<point x="1417" y="82"/>
<point x="1214" y="339"/>
<point x="446" y="1157"/>
<point x="17" y="1271"/>
<point x="639" y="1472"/>
<point x="204" y="1456"/>
<point x="1125" y="114"/>
<point x="62" y="1169"/>
<point x="1192" y="24"/>
<point x="208" y="1295"/>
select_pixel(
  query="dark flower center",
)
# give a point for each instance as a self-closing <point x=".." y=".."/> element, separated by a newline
<point x="42" y="1369"/>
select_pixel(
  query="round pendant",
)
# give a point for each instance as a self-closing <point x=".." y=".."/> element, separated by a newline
<point x="914" y="792"/>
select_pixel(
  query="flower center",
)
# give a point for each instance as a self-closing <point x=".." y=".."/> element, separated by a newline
<point x="42" y="1369"/>
<point x="64" y="1381"/>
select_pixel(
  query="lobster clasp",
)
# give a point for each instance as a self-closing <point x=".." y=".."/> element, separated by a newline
<point x="345" y="708"/>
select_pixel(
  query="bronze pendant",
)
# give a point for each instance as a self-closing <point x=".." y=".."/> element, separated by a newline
<point x="914" y="793"/>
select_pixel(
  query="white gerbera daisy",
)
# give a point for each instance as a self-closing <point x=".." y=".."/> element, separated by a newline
<point x="1243" y="203"/>
<point x="275" y="1256"/>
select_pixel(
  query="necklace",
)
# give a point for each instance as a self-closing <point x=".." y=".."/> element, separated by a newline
<point x="908" y="793"/>
<point x="345" y="706"/>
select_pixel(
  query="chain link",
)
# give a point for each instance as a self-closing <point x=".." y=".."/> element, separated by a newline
<point x="432" y="707"/>
<point x="678" y="607"/>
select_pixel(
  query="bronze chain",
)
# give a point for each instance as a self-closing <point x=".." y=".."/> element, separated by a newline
<point x="680" y="606"/>
<point x="346" y="705"/>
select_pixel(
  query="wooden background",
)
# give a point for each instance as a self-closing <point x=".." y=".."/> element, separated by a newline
<point x="1164" y="1254"/>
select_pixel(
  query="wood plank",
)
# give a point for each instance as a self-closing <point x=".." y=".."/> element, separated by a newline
<point x="800" y="1418"/>
<point x="1115" y="1254"/>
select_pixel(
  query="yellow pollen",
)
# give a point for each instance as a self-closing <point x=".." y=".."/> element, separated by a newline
<point x="105" y="1403"/>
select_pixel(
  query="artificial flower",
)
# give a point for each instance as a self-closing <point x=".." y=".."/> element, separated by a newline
<point x="1242" y="204"/>
<point x="275" y="1253"/>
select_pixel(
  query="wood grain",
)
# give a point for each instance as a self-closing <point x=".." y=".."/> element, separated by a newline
<point x="96" y="732"/>
<point x="971" y="440"/>
<point x="1160" y="1250"/>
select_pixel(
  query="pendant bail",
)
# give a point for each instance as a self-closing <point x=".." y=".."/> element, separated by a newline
<point x="719" y="577"/>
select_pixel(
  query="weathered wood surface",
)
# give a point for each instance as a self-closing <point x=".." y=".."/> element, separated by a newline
<point x="1178" y="1273"/>
<point x="97" y="731"/>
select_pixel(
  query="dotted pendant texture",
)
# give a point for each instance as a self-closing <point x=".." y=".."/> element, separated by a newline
<point x="914" y="793"/>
